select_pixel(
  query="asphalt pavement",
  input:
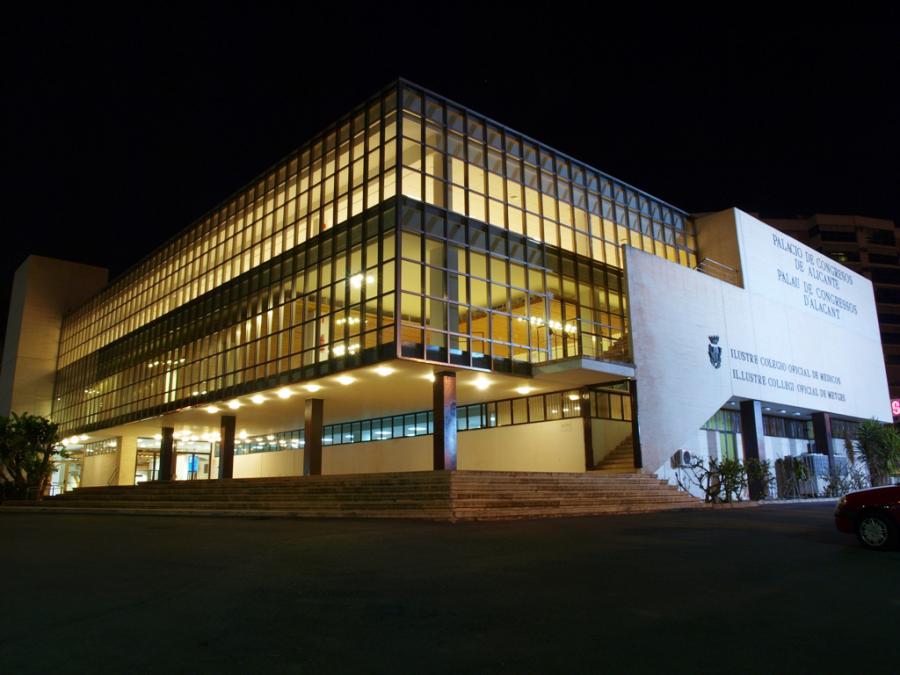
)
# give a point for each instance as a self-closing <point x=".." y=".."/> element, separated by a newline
<point x="768" y="589"/>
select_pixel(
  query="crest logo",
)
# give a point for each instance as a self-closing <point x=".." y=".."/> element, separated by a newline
<point x="714" y="351"/>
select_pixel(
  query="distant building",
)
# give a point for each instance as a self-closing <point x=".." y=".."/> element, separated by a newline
<point x="867" y="246"/>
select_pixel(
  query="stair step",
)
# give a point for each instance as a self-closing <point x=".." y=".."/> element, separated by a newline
<point x="461" y="495"/>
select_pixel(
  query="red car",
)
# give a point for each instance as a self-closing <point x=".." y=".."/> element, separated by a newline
<point x="873" y="515"/>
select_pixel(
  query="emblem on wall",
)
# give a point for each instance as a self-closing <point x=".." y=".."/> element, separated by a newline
<point x="714" y="351"/>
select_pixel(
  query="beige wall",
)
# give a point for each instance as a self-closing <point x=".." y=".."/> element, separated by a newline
<point x="606" y="435"/>
<point x="44" y="289"/>
<point x="127" y="459"/>
<point x="545" y="446"/>
<point x="98" y="470"/>
<point x="717" y="240"/>
<point x="396" y="454"/>
<point x="260" y="464"/>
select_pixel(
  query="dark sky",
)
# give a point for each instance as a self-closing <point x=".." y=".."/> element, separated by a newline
<point x="122" y="129"/>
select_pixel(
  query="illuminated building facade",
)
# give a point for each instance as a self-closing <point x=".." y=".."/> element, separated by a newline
<point x="414" y="272"/>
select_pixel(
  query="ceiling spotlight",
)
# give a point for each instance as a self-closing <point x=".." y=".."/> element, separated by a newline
<point x="384" y="371"/>
<point x="212" y="410"/>
<point x="524" y="390"/>
<point x="284" y="392"/>
<point x="346" y="379"/>
<point x="481" y="384"/>
<point x="312" y="388"/>
<point x="234" y="405"/>
<point x="258" y="398"/>
<point x="574" y="397"/>
<point x="242" y="435"/>
<point x="270" y="437"/>
<point x="782" y="411"/>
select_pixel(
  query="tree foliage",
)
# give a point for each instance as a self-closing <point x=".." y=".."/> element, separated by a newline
<point x="27" y="446"/>
<point x="880" y="446"/>
<point x="722" y="480"/>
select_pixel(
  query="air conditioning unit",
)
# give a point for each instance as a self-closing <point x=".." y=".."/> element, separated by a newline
<point x="681" y="459"/>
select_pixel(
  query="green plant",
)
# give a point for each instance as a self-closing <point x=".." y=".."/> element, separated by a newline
<point x="27" y="446"/>
<point x="720" y="481"/>
<point x="880" y="446"/>
<point x="760" y="472"/>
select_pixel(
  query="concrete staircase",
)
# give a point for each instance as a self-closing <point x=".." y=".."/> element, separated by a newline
<point x="433" y="495"/>
<point x="620" y="460"/>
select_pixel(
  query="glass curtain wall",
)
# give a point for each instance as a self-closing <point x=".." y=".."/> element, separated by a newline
<point x="455" y="159"/>
<point x="325" y="305"/>
<point x="343" y="171"/>
<point x="289" y="279"/>
<point x="480" y="296"/>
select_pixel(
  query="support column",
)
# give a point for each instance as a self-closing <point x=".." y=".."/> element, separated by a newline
<point x="226" y="446"/>
<point x="587" y="425"/>
<point x="312" y="437"/>
<point x="822" y="436"/>
<point x="635" y="426"/>
<point x="167" y="454"/>
<point x="444" y="409"/>
<point x="753" y="441"/>
<point x="127" y="459"/>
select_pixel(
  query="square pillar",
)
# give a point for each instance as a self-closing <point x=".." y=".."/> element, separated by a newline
<point x="312" y="437"/>
<point x="753" y="441"/>
<point x="637" y="456"/>
<point x="167" y="454"/>
<point x="226" y="446"/>
<point x="587" y="425"/>
<point x="127" y="459"/>
<point x="444" y="410"/>
<point x="822" y="436"/>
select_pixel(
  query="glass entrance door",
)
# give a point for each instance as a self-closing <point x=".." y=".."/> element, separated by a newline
<point x="146" y="466"/>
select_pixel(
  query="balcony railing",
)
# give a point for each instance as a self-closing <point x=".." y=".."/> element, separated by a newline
<point x="718" y="270"/>
<point x="588" y="340"/>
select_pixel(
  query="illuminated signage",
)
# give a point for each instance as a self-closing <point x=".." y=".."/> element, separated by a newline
<point x="895" y="406"/>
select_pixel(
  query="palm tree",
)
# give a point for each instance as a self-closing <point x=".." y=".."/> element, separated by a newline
<point x="880" y="446"/>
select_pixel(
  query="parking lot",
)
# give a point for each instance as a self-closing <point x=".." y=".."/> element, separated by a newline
<point x="774" y="588"/>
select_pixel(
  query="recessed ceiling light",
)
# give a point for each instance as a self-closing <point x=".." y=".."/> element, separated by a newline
<point x="481" y="383"/>
<point x="574" y="397"/>
<point x="524" y="390"/>
<point x="258" y="398"/>
<point x="284" y="392"/>
<point x="384" y="371"/>
<point x="212" y="410"/>
<point x="312" y="388"/>
<point x="83" y="437"/>
<point x="242" y="435"/>
<point x="346" y="379"/>
<point x="234" y="405"/>
<point x="766" y="408"/>
<point x="782" y="411"/>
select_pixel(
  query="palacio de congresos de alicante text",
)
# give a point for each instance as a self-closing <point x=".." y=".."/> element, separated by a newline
<point x="419" y="288"/>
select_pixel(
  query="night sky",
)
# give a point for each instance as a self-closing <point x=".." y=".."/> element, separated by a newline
<point x="121" y="130"/>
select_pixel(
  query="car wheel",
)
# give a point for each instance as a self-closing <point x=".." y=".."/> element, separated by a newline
<point x="876" y="532"/>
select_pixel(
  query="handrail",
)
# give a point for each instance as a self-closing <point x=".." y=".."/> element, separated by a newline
<point x="718" y="270"/>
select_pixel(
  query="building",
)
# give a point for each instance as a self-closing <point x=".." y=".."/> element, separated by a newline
<point x="419" y="287"/>
<point x="867" y="246"/>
